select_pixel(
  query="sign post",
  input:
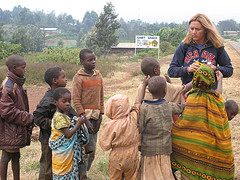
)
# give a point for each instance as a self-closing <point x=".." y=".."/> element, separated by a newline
<point x="147" y="42"/>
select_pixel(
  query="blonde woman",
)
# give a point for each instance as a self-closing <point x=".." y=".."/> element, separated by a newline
<point x="202" y="45"/>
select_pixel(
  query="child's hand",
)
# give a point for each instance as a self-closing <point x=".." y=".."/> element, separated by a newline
<point x="89" y="125"/>
<point x="184" y="89"/>
<point x="145" y="80"/>
<point x="98" y="123"/>
<point x="81" y="120"/>
<point x="219" y="75"/>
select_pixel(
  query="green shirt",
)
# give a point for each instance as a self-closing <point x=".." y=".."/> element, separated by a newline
<point x="155" y="124"/>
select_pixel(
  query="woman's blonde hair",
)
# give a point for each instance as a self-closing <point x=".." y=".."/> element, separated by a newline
<point x="211" y="31"/>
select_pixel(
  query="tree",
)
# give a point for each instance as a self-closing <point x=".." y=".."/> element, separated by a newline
<point x="30" y="37"/>
<point x="228" y="25"/>
<point x="25" y="17"/>
<point x="1" y="33"/>
<point x="20" y="37"/>
<point x="89" y="20"/>
<point x="104" y="34"/>
<point x="60" y="43"/>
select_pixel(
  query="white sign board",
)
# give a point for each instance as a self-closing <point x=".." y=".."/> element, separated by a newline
<point x="147" y="42"/>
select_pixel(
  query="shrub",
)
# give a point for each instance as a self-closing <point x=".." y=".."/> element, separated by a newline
<point x="7" y="49"/>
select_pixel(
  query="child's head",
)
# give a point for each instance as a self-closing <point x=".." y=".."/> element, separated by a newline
<point x="157" y="86"/>
<point x="55" y="76"/>
<point x="231" y="108"/>
<point x="87" y="59"/>
<point x="117" y="107"/>
<point x="150" y="66"/>
<point x="16" y="64"/>
<point x="62" y="99"/>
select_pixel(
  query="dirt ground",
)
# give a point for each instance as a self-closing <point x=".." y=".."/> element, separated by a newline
<point x="126" y="83"/>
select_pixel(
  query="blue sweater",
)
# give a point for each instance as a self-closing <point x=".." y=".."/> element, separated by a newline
<point x="185" y="55"/>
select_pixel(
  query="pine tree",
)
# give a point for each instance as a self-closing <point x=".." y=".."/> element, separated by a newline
<point x="104" y="35"/>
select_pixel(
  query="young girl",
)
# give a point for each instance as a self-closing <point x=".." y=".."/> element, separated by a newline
<point x="67" y="138"/>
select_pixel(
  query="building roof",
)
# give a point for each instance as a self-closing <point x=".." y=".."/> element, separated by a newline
<point x="125" y="46"/>
<point x="49" y="29"/>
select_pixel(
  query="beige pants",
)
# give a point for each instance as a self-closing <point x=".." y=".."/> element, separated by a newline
<point x="156" y="167"/>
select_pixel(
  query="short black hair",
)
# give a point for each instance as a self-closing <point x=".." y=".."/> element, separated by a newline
<point x="83" y="52"/>
<point x="14" y="60"/>
<point x="157" y="85"/>
<point x="148" y="64"/>
<point x="52" y="73"/>
<point x="232" y="106"/>
<point x="58" y="92"/>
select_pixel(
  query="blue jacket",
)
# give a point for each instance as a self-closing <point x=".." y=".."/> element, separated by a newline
<point x="185" y="55"/>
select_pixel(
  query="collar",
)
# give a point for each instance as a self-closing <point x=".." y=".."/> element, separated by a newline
<point x="154" y="102"/>
<point x="16" y="79"/>
<point x="81" y="72"/>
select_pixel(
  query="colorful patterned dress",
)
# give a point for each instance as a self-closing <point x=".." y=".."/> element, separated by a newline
<point x="66" y="153"/>
<point x="201" y="137"/>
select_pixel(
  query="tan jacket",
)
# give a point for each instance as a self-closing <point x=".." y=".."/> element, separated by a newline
<point x="121" y="133"/>
<point x="172" y="95"/>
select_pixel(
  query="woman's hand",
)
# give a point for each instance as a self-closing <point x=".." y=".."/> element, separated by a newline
<point x="193" y="67"/>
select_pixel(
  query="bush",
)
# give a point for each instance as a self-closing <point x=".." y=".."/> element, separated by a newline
<point x="59" y="54"/>
<point x="35" y="75"/>
<point x="7" y="49"/>
<point x="166" y="48"/>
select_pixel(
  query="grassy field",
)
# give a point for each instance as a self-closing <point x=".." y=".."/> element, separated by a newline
<point x="125" y="80"/>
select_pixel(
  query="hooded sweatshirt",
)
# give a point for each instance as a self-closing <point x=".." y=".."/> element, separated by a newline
<point x="121" y="133"/>
<point x="185" y="55"/>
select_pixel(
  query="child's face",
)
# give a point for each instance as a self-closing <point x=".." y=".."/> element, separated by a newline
<point x="157" y="71"/>
<point x="89" y="63"/>
<point x="20" y="69"/>
<point x="231" y="114"/>
<point x="61" y="81"/>
<point x="64" y="103"/>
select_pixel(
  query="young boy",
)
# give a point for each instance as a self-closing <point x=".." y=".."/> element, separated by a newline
<point x="15" y="122"/>
<point x="231" y="108"/>
<point x="54" y="77"/>
<point x="88" y="99"/>
<point x="155" y="124"/>
<point x="121" y="135"/>
<point x="151" y="67"/>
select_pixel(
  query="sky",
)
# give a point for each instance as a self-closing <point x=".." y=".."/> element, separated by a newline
<point x="146" y="10"/>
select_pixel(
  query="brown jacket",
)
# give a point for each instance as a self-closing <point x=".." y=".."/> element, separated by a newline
<point x="15" y="121"/>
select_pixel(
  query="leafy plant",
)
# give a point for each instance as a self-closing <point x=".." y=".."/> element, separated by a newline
<point x="7" y="49"/>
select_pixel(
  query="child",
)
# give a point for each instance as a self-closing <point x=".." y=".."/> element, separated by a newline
<point x="15" y="122"/>
<point x="67" y="139"/>
<point x="150" y="66"/>
<point x="155" y="124"/>
<point x="201" y="137"/>
<point x="88" y="100"/>
<point x="54" y="77"/>
<point x="121" y="135"/>
<point x="231" y="108"/>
